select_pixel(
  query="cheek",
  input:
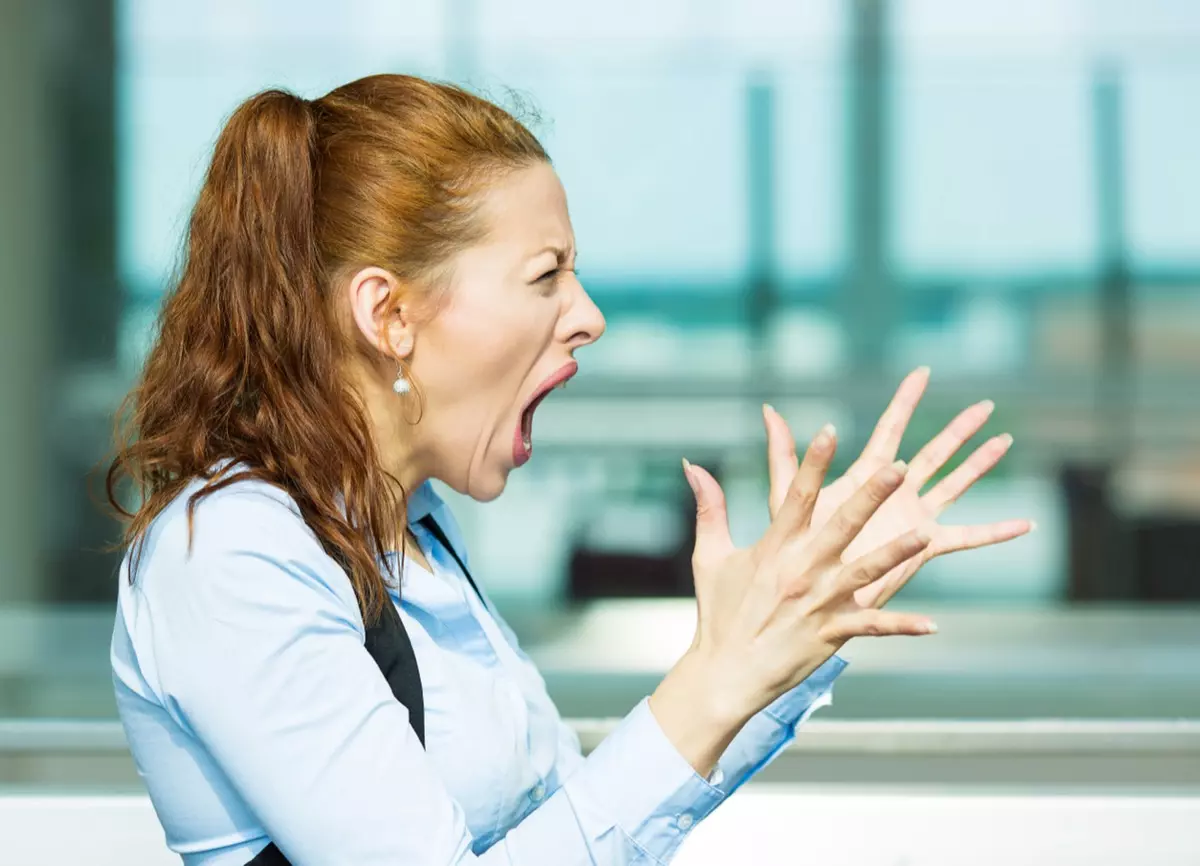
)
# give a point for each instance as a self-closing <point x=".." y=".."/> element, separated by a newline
<point x="474" y="363"/>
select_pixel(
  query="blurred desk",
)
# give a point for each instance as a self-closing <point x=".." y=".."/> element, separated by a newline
<point x="986" y="662"/>
<point x="1100" y="699"/>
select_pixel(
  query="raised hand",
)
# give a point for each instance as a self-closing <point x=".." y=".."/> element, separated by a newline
<point x="793" y="587"/>
<point x="909" y="508"/>
<point x="771" y="614"/>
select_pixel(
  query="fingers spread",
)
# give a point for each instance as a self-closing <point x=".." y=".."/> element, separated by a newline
<point x="885" y="440"/>
<point x="958" y="482"/>
<point x="781" y="457"/>
<point x="795" y="513"/>
<point x="942" y="447"/>
<point x="877" y="623"/>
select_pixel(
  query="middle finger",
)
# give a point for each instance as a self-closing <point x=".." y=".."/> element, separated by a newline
<point x="854" y="513"/>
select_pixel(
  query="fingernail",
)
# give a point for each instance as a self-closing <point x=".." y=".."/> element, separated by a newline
<point x="691" y="480"/>
<point x="1033" y="526"/>
<point x="931" y="627"/>
<point x="828" y="431"/>
<point x="900" y="466"/>
<point x="768" y="409"/>
<point x="1006" y="438"/>
<point x="988" y="406"/>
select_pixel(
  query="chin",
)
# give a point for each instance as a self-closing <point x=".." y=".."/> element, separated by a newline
<point x="483" y="486"/>
<point x="488" y="492"/>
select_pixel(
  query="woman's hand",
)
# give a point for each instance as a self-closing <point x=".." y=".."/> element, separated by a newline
<point x="770" y="614"/>
<point x="909" y="508"/>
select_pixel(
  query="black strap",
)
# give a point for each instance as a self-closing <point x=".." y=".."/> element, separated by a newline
<point x="390" y="646"/>
<point x="431" y="526"/>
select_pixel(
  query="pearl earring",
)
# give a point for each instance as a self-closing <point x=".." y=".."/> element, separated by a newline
<point x="401" y="386"/>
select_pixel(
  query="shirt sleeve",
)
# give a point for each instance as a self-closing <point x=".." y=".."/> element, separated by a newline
<point x="670" y="798"/>
<point x="258" y="647"/>
<point x="770" y="731"/>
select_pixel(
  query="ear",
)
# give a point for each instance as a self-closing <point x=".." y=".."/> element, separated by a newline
<point x="378" y="313"/>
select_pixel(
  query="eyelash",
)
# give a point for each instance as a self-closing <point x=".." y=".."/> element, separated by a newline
<point x="554" y="273"/>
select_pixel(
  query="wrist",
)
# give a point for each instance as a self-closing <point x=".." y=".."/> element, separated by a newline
<point x="701" y="707"/>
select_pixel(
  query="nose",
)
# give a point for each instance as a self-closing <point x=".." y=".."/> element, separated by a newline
<point x="582" y="323"/>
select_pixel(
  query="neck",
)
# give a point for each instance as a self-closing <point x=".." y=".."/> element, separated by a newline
<point x="396" y="441"/>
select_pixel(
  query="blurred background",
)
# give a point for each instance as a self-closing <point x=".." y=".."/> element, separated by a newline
<point x="774" y="201"/>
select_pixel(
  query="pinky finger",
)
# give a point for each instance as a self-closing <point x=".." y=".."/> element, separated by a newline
<point x="878" y="623"/>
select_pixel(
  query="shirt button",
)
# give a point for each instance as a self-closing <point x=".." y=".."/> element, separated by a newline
<point x="538" y="792"/>
<point x="716" y="777"/>
<point x="685" y="821"/>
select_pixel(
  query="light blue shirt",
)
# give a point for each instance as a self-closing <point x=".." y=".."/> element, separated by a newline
<point x="254" y="712"/>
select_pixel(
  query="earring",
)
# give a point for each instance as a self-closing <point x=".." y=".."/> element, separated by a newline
<point x="401" y="386"/>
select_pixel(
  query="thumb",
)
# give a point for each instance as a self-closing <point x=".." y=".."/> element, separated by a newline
<point x="712" y="520"/>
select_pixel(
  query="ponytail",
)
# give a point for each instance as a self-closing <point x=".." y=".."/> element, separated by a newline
<point x="257" y="390"/>
<point x="253" y="225"/>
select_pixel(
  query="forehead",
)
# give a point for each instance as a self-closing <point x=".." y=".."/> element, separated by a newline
<point x="526" y="210"/>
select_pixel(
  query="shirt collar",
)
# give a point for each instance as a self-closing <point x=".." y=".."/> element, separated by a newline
<point x="422" y="502"/>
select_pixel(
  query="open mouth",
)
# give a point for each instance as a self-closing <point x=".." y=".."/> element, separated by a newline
<point x="523" y="438"/>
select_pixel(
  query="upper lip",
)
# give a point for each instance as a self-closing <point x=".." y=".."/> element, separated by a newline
<point x="565" y="372"/>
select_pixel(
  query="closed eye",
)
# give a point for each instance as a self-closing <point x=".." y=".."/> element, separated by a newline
<point x="547" y="281"/>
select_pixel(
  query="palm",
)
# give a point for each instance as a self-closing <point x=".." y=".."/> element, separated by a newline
<point x="911" y="507"/>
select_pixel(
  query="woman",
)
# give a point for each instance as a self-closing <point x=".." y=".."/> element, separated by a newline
<point x="378" y="291"/>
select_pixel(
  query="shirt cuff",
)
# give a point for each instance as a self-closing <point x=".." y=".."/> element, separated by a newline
<point x="641" y="785"/>
<point x="794" y="707"/>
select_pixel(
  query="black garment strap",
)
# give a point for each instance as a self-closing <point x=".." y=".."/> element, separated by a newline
<point x="431" y="526"/>
<point x="390" y="646"/>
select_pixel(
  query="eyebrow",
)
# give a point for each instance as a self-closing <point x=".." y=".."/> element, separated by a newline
<point x="559" y="253"/>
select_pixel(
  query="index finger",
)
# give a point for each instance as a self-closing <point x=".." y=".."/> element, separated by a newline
<point x="795" y="512"/>
<point x="885" y="439"/>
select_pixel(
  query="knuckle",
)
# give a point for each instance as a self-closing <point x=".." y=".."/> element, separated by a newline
<point x="841" y="524"/>
<point x="799" y="493"/>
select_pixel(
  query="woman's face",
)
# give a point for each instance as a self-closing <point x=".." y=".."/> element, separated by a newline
<point x="503" y="336"/>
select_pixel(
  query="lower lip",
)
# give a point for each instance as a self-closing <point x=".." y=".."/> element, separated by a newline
<point x="522" y="452"/>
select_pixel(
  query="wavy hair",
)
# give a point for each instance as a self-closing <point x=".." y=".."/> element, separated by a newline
<point x="246" y="377"/>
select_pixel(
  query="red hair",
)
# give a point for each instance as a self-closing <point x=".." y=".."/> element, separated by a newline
<point x="244" y="379"/>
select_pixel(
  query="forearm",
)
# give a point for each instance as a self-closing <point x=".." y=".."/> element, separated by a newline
<point x="711" y="727"/>
<point x="699" y="711"/>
